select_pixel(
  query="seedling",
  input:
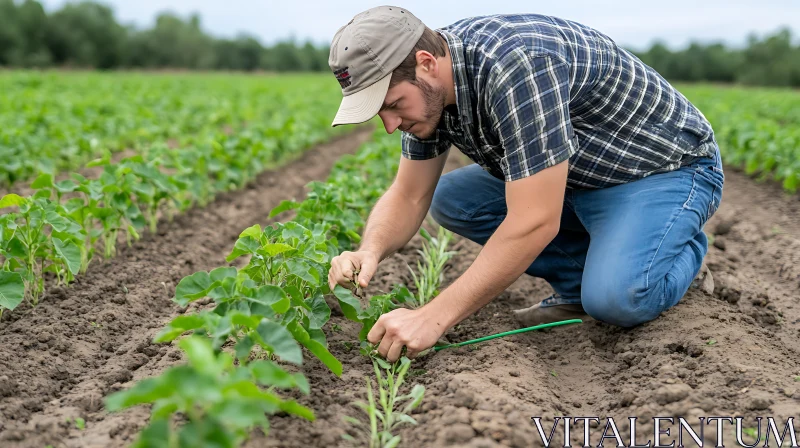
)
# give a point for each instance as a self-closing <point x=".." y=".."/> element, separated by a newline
<point x="797" y="378"/>
<point x="385" y="413"/>
<point x="711" y="342"/>
<point x="430" y="265"/>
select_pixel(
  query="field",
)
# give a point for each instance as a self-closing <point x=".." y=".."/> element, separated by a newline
<point x="206" y="296"/>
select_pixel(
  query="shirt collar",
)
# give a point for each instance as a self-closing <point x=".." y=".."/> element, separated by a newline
<point x="463" y="101"/>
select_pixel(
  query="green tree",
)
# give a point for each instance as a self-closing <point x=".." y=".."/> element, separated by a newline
<point x="86" y="34"/>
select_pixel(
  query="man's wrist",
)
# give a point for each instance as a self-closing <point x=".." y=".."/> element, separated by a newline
<point x="377" y="252"/>
<point x="442" y="312"/>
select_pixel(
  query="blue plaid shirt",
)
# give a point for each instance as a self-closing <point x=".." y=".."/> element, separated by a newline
<point x="533" y="91"/>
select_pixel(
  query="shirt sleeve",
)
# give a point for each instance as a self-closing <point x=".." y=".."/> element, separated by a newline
<point x="418" y="149"/>
<point x="528" y="105"/>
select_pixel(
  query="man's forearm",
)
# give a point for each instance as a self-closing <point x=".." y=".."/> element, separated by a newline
<point x="392" y="223"/>
<point x="504" y="258"/>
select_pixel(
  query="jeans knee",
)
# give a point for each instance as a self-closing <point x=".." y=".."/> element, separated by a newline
<point x="624" y="307"/>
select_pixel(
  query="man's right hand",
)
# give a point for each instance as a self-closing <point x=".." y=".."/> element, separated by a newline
<point x="345" y="265"/>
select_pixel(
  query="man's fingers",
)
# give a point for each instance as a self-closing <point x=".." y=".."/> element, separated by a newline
<point x="394" y="352"/>
<point x="375" y="335"/>
<point x="368" y="268"/>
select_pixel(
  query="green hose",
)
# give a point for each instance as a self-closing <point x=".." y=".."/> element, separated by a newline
<point x="506" y="333"/>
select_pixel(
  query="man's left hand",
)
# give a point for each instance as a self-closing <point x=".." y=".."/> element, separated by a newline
<point x="416" y="329"/>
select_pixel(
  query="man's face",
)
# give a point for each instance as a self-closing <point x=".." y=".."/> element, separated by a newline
<point x="411" y="108"/>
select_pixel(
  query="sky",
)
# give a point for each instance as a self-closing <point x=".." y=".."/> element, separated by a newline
<point x="632" y="23"/>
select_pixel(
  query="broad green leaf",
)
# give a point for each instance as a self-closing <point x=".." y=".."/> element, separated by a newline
<point x="280" y="341"/>
<point x="66" y="186"/>
<point x="70" y="253"/>
<point x="320" y="312"/>
<point x="267" y="373"/>
<point x="192" y="288"/>
<point x="252" y="231"/>
<point x="293" y="230"/>
<point x="272" y="296"/>
<point x="219" y="274"/>
<point x="316" y="348"/>
<point x="16" y="248"/>
<point x="178" y="326"/>
<point x="163" y="409"/>
<point x="276" y="249"/>
<point x="244" y="246"/>
<point x="243" y="347"/>
<point x="239" y="413"/>
<point x="12" y="289"/>
<point x="223" y="290"/>
<point x="201" y="356"/>
<point x="292" y="407"/>
<point x="296" y="297"/>
<point x="58" y="222"/>
<point x="282" y="207"/>
<point x="45" y="180"/>
<point x="11" y="200"/>
<point x="351" y="307"/>
<point x="319" y="336"/>
<point x="146" y="391"/>
<point x="302" y="269"/>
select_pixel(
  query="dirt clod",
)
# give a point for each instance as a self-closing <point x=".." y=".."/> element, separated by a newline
<point x="458" y="433"/>
<point x="671" y="393"/>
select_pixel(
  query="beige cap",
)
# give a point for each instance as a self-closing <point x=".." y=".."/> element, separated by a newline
<point x="363" y="55"/>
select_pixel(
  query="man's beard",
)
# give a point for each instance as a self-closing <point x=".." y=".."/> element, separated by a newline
<point x="434" y="98"/>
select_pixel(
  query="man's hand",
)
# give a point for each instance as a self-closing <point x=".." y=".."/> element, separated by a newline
<point x="345" y="265"/>
<point x="417" y="329"/>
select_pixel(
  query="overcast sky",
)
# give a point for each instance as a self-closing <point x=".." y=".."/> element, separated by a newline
<point x="633" y="23"/>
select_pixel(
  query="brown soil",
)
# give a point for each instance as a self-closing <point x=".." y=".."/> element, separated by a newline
<point x="56" y="364"/>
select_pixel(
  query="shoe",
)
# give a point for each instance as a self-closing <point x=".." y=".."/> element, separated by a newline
<point x="538" y="314"/>
<point x="704" y="281"/>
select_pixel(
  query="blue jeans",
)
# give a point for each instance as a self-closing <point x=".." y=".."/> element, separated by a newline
<point x="626" y="252"/>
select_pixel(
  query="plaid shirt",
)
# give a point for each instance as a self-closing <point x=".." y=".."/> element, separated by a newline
<point x="533" y="91"/>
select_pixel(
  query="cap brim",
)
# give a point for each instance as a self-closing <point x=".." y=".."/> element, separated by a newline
<point x="362" y="105"/>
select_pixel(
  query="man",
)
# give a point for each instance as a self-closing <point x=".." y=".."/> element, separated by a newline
<point x="591" y="171"/>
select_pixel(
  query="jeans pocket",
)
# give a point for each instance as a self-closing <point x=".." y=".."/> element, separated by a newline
<point x="713" y="179"/>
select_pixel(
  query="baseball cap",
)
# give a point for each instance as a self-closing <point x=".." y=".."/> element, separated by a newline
<point x="363" y="55"/>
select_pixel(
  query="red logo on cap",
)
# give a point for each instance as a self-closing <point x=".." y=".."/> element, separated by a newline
<point x="343" y="76"/>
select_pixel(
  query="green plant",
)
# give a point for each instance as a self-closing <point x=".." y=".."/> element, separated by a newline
<point x="430" y="265"/>
<point x="389" y="409"/>
<point x="37" y="239"/>
<point x="219" y="402"/>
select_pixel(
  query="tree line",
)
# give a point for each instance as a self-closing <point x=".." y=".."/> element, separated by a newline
<point x="87" y="35"/>
<point x="773" y="60"/>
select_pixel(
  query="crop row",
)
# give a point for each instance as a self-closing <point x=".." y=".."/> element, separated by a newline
<point x="757" y="129"/>
<point x="57" y="229"/>
<point x="269" y="309"/>
<point x="57" y="122"/>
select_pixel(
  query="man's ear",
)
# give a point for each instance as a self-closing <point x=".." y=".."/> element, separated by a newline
<point x="427" y="64"/>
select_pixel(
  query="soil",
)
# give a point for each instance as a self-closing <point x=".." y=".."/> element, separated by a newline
<point x="735" y="352"/>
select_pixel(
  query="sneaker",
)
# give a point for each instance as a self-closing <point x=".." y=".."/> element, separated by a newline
<point x="704" y="281"/>
<point x="549" y="310"/>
